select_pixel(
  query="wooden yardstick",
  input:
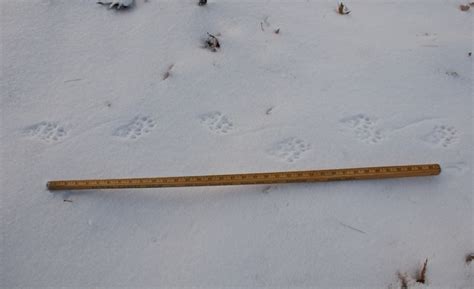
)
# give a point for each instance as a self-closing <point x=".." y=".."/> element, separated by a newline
<point x="365" y="173"/>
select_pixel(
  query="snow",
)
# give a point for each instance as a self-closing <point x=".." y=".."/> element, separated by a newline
<point x="91" y="92"/>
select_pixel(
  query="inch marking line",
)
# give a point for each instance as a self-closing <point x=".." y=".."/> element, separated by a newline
<point x="366" y="173"/>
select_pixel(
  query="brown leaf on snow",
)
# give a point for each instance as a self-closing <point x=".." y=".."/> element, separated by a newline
<point x="422" y="274"/>
<point x="342" y="9"/>
<point x="212" y="42"/>
<point x="469" y="258"/>
<point x="464" y="7"/>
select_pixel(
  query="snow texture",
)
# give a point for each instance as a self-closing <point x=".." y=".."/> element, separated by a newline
<point x="90" y="92"/>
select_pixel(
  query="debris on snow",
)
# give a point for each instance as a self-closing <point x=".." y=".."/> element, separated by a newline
<point x="212" y="42"/>
<point x="469" y="258"/>
<point x="452" y="73"/>
<point x="342" y="9"/>
<point x="168" y="72"/>
<point x="422" y="274"/>
<point x="118" y="4"/>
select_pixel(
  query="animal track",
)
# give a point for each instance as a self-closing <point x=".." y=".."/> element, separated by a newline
<point x="428" y="39"/>
<point x="364" y="128"/>
<point x="456" y="167"/>
<point x="442" y="135"/>
<point x="289" y="149"/>
<point x="46" y="131"/>
<point x="139" y="126"/>
<point x="216" y="122"/>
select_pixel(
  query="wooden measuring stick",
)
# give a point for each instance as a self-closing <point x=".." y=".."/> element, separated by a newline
<point x="252" y="178"/>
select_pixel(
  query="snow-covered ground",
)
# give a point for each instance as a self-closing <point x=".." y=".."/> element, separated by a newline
<point x="91" y="92"/>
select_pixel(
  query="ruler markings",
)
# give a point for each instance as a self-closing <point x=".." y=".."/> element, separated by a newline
<point x="252" y="178"/>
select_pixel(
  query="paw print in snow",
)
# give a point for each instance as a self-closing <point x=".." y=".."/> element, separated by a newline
<point x="216" y="122"/>
<point x="289" y="149"/>
<point x="364" y="128"/>
<point x="138" y="127"/>
<point x="442" y="135"/>
<point x="46" y="131"/>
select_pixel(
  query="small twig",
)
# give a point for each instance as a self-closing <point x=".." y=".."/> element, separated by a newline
<point x="261" y="26"/>
<point x="69" y="201"/>
<point x="168" y="72"/>
<point x="72" y="80"/>
<point x="352" y="228"/>
<point x="422" y="275"/>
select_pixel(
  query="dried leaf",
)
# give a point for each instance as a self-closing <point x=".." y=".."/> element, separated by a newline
<point x="212" y="42"/>
<point x="422" y="275"/>
<point x="464" y="7"/>
<point x="342" y="9"/>
<point x="470" y="258"/>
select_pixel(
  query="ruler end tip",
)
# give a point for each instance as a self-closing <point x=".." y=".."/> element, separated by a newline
<point x="50" y="186"/>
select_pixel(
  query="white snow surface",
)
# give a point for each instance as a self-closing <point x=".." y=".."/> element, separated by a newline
<point x="91" y="92"/>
